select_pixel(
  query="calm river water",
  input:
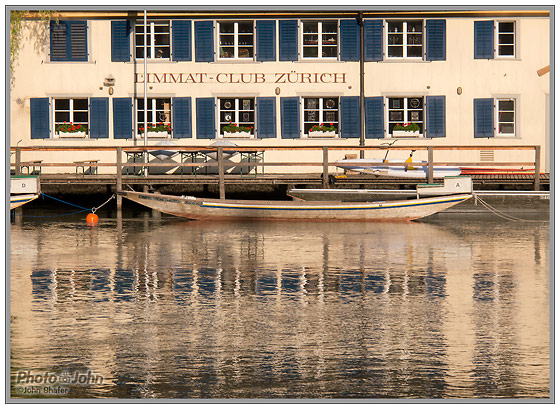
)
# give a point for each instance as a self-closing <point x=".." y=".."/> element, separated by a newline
<point x="144" y="307"/>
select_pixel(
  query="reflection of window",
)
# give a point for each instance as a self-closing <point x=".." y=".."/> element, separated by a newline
<point x="236" y="39"/>
<point x="506" y="116"/>
<point x="158" y="39"/>
<point x="158" y="114"/>
<point x="317" y="111"/>
<point x="320" y="39"/>
<point x="506" y="39"/>
<point x="238" y="111"/>
<point x="406" y="110"/>
<point x="404" y="39"/>
<point x="70" y="112"/>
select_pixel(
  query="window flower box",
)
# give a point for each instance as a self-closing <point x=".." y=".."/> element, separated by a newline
<point x="322" y="134"/>
<point x="79" y="134"/>
<point x="237" y="134"/>
<point x="158" y="134"/>
<point x="406" y="134"/>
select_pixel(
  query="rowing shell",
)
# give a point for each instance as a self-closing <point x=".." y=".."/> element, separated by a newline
<point x="216" y="209"/>
<point x="20" y="200"/>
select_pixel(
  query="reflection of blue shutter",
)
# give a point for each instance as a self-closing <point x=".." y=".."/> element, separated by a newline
<point x="182" y="117"/>
<point x="181" y="40"/>
<point x="99" y="117"/>
<point x="266" y="40"/>
<point x="288" y="39"/>
<point x="484" y="39"/>
<point x="435" y="113"/>
<point x="289" y="112"/>
<point x="484" y="118"/>
<point x="205" y="118"/>
<point x="266" y="117"/>
<point x="374" y="118"/>
<point x="120" y="41"/>
<point x="204" y="41"/>
<point x="373" y="40"/>
<point x="349" y="40"/>
<point x="122" y="118"/>
<point x="435" y="40"/>
<point x="350" y="117"/>
<point x="40" y="128"/>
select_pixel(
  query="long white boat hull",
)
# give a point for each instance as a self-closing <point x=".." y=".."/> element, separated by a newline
<point x="381" y="168"/>
<point x="207" y="209"/>
<point x="20" y="200"/>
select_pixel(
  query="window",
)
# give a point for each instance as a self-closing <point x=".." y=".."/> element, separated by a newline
<point x="71" y="117"/>
<point x="506" y="117"/>
<point x="320" y="111"/>
<point x="320" y="39"/>
<point x="237" y="111"/>
<point x="158" y="39"/>
<point x="404" y="39"/>
<point x="68" y="41"/>
<point x="158" y="117"/>
<point x="406" y="110"/>
<point x="236" y="39"/>
<point x="506" y="39"/>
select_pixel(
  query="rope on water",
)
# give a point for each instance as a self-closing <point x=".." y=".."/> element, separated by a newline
<point x="83" y="209"/>
<point x="503" y="215"/>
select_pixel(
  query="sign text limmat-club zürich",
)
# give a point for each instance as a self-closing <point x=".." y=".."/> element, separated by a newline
<point x="291" y="77"/>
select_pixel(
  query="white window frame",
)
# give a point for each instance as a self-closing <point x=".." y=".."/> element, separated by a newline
<point x="497" y="39"/>
<point x="319" y="40"/>
<point x="71" y="112"/>
<point x="237" y="113"/>
<point x="405" y="39"/>
<point x="236" y="44"/>
<point x="152" y="108"/>
<point x="497" y="116"/>
<point x="405" y="110"/>
<point x="151" y="47"/>
<point x="321" y="114"/>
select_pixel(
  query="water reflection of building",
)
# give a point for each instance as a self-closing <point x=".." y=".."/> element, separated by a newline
<point x="416" y="307"/>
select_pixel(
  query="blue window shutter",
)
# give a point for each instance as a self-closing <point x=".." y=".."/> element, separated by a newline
<point x="374" y="117"/>
<point x="373" y="40"/>
<point x="182" y="117"/>
<point x="181" y="40"/>
<point x="289" y="112"/>
<point x="120" y="41"/>
<point x="350" y="117"/>
<point x="484" y="39"/>
<point x="40" y="123"/>
<point x="266" y="40"/>
<point x="484" y="118"/>
<point x="58" y="36"/>
<point x="122" y="118"/>
<point x="435" y="113"/>
<point x="266" y="117"/>
<point x="205" y="118"/>
<point x="99" y="117"/>
<point x="349" y="40"/>
<point x="288" y="40"/>
<point x="68" y="41"/>
<point x="78" y="41"/>
<point x="435" y="40"/>
<point x="204" y="41"/>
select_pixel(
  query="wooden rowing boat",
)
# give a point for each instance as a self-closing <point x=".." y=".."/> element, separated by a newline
<point x="222" y="209"/>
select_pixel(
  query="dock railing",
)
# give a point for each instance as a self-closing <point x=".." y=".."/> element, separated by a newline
<point x="221" y="161"/>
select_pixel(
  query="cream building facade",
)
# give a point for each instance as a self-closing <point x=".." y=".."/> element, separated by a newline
<point x="465" y="78"/>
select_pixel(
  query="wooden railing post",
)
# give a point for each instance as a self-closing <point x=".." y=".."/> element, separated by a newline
<point x="537" y="167"/>
<point x="325" y="167"/>
<point x="221" y="181"/>
<point x="119" y="176"/>
<point x="430" y="164"/>
<point x="18" y="161"/>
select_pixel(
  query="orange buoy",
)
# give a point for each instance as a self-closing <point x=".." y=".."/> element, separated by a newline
<point x="92" y="219"/>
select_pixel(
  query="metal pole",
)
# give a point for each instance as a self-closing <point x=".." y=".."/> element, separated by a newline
<point x="537" y="167"/>
<point x="362" y="91"/>
<point x="146" y="87"/>
<point x="119" y="177"/>
<point x="430" y="164"/>
<point x="221" y="182"/>
<point x="18" y="161"/>
<point x="325" y="167"/>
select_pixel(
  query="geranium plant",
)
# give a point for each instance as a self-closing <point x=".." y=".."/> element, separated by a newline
<point x="323" y="128"/>
<point x="71" y="128"/>
<point x="233" y="128"/>
<point x="410" y="127"/>
<point x="160" y="127"/>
